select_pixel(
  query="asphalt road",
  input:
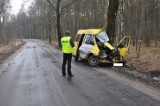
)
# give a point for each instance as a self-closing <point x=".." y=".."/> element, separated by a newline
<point x="32" y="77"/>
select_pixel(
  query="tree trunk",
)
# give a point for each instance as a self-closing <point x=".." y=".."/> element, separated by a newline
<point x="136" y="24"/>
<point x="58" y="22"/>
<point x="111" y="18"/>
<point x="50" y="23"/>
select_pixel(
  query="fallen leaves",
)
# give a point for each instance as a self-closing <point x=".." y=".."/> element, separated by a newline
<point x="149" y="58"/>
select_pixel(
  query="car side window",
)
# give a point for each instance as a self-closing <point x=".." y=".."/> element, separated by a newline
<point x="89" y="39"/>
<point x="124" y="43"/>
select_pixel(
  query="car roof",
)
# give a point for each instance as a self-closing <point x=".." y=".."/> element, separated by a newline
<point x="90" y="31"/>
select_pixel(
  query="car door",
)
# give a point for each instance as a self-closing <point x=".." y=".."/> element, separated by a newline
<point x="123" y="47"/>
<point x="87" y="44"/>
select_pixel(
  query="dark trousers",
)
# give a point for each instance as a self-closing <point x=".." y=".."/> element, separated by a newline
<point x="67" y="58"/>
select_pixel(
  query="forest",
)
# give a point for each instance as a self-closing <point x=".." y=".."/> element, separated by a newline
<point x="48" y="19"/>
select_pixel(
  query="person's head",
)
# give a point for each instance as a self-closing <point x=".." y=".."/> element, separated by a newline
<point x="67" y="33"/>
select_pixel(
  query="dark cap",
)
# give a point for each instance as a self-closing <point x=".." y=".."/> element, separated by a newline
<point x="67" y="33"/>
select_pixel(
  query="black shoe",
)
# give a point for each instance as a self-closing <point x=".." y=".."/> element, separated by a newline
<point x="71" y="75"/>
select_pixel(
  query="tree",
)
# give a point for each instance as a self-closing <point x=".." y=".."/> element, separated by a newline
<point x="4" y="7"/>
<point x="56" y="5"/>
<point x="111" y="18"/>
<point x="58" y="18"/>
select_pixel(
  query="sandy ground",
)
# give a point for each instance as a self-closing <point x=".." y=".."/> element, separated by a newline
<point x="149" y="58"/>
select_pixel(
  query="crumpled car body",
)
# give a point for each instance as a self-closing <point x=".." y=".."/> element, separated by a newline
<point x="93" y="45"/>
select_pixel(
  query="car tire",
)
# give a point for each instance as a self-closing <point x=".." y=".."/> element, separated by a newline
<point x="93" y="61"/>
<point x="124" y="63"/>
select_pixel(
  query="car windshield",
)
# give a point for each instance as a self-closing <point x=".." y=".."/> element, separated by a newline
<point x="103" y="37"/>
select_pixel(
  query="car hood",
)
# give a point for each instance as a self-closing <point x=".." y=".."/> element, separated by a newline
<point x="109" y="46"/>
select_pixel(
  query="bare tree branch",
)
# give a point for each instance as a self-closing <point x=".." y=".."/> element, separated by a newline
<point x="68" y="5"/>
<point x="51" y="4"/>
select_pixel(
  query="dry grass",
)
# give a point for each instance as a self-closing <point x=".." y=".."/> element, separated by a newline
<point x="10" y="46"/>
<point x="5" y="47"/>
<point x="149" y="58"/>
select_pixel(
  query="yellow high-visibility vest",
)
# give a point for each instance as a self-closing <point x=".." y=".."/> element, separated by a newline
<point x="66" y="46"/>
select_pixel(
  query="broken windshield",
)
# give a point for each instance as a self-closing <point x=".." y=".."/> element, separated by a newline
<point x="103" y="37"/>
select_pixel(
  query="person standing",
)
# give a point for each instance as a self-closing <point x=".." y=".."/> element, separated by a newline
<point x="67" y="49"/>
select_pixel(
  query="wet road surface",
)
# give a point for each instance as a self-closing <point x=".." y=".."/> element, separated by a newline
<point x="32" y="77"/>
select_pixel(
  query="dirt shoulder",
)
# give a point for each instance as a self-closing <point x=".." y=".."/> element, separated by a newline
<point x="7" y="50"/>
<point x="149" y="59"/>
<point x="145" y="68"/>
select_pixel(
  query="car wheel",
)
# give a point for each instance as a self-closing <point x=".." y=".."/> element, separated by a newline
<point x="93" y="61"/>
<point x="124" y="62"/>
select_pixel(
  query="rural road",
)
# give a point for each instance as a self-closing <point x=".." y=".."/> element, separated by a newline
<point x="32" y="77"/>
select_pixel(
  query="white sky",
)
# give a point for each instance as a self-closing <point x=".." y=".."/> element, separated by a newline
<point x="16" y="5"/>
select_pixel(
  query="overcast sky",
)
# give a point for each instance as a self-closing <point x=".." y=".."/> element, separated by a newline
<point x="16" y="5"/>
